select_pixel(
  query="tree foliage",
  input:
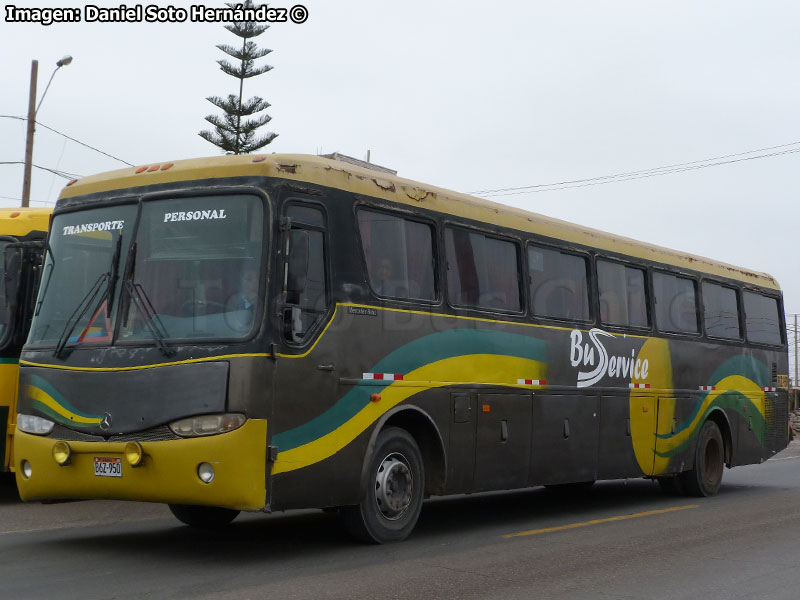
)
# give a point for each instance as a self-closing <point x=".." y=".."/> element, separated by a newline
<point x="234" y="132"/>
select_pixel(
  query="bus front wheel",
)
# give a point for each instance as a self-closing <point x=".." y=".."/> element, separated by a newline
<point x="709" y="461"/>
<point x="203" y="517"/>
<point x="392" y="499"/>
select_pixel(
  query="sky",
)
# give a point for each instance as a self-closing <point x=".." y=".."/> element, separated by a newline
<point x="464" y="95"/>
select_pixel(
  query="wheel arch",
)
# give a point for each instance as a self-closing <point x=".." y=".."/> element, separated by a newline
<point x="423" y="429"/>
<point x="719" y="417"/>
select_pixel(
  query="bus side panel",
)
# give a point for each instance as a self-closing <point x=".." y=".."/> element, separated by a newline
<point x="9" y="374"/>
<point x="565" y="438"/>
<point x="616" y="456"/>
<point x="762" y="433"/>
<point x="334" y="481"/>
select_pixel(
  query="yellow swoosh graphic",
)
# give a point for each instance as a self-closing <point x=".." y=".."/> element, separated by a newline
<point x="45" y="398"/>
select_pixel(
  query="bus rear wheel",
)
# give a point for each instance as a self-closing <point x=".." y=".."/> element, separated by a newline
<point x="709" y="462"/>
<point x="392" y="500"/>
<point x="203" y="517"/>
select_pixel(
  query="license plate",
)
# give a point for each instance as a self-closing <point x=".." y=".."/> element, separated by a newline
<point x="107" y="467"/>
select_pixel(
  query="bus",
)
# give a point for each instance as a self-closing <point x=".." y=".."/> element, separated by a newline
<point x="282" y="331"/>
<point x="22" y="235"/>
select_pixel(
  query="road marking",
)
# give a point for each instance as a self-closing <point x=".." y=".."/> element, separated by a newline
<point x="648" y="513"/>
<point x="786" y="458"/>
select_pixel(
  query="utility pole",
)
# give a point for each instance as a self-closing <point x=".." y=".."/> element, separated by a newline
<point x="26" y="179"/>
<point x="33" y="109"/>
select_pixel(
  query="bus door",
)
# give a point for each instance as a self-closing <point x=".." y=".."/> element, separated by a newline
<point x="307" y="373"/>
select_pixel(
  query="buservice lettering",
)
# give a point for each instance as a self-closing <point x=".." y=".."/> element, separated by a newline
<point x="196" y="215"/>
<point x="620" y="367"/>
<point x="91" y="227"/>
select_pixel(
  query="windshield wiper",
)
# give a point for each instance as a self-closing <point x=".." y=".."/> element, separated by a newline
<point x="152" y="322"/>
<point x="88" y="300"/>
<point x="80" y="310"/>
<point x="51" y="264"/>
<point x="113" y="275"/>
<point x="136" y="293"/>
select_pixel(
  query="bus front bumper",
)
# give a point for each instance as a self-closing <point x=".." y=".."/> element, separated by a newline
<point x="168" y="472"/>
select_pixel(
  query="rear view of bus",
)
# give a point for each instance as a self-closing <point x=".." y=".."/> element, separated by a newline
<point x="22" y="234"/>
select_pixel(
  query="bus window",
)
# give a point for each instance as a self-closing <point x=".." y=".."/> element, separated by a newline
<point x="721" y="311"/>
<point x="309" y="302"/>
<point x="194" y="264"/>
<point x="762" y="323"/>
<point x="559" y="284"/>
<point x="399" y="255"/>
<point x="676" y="308"/>
<point x="83" y="252"/>
<point x="623" y="300"/>
<point x="482" y="271"/>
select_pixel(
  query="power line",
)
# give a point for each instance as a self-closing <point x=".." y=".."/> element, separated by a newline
<point x="70" y="138"/>
<point x="64" y="174"/>
<point x="20" y="200"/>
<point x="644" y="173"/>
<point x="83" y="144"/>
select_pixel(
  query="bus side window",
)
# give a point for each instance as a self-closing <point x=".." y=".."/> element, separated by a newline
<point x="398" y="253"/>
<point x="482" y="270"/>
<point x="676" y="309"/>
<point x="623" y="300"/>
<point x="721" y="311"/>
<point x="762" y="320"/>
<point x="559" y="285"/>
<point x="305" y="283"/>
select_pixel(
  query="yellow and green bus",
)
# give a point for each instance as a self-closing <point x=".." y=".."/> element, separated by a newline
<point x="22" y="235"/>
<point x="273" y="332"/>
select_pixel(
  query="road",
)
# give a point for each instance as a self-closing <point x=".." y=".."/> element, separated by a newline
<point x="624" y="539"/>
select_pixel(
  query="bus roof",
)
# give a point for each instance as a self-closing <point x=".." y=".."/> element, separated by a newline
<point x="358" y="180"/>
<point x="21" y="221"/>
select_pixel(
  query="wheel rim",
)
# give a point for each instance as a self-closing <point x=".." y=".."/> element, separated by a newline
<point x="712" y="457"/>
<point x="394" y="486"/>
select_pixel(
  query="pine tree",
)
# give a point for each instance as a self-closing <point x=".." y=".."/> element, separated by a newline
<point x="234" y="132"/>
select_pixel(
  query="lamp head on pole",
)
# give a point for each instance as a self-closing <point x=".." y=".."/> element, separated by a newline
<point x="64" y="61"/>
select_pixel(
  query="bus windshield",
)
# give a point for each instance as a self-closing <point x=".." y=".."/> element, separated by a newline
<point x="192" y="271"/>
<point x="75" y="278"/>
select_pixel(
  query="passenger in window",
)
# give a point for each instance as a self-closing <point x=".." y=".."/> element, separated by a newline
<point x="245" y="298"/>
<point x="240" y="308"/>
<point x="383" y="276"/>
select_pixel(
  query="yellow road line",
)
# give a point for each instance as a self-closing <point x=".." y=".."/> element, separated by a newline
<point x="648" y="513"/>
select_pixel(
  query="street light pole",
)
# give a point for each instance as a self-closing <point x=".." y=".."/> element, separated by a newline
<point x="33" y="108"/>
<point x="26" y="178"/>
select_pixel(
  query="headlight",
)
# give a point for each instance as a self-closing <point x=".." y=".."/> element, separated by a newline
<point x="207" y="425"/>
<point x="35" y="425"/>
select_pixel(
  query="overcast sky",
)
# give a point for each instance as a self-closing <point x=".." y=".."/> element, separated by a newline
<point x="465" y="95"/>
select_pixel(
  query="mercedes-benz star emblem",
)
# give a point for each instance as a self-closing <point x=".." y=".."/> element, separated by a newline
<point x="105" y="424"/>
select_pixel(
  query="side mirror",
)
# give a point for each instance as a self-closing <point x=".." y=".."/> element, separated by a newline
<point x="12" y="258"/>
<point x="297" y="273"/>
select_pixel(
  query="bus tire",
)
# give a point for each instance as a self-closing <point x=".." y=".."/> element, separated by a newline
<point x="392" y="501"/>
<point x="203" y="517"/>
<point x="709" y="461"/>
